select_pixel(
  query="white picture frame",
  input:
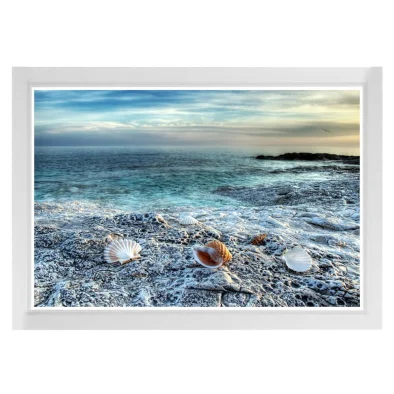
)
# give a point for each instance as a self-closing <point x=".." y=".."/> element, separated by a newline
<point x="368" y="316"/>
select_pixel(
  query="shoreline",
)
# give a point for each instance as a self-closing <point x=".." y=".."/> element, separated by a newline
<point x="319" y="213"/>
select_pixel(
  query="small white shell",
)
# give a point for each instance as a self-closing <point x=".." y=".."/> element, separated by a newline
<point x="122" y="250"/>
<point x="187" y="220"/>
<point x="298" y="260"/>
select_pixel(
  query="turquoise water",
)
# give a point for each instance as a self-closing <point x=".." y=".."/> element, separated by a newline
<point x="139" y="179"/>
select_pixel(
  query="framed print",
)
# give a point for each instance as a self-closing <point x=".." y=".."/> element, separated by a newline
<point x="197" y="198"/>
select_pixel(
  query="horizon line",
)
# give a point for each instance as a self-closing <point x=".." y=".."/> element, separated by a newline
<point x="186" y="147"/>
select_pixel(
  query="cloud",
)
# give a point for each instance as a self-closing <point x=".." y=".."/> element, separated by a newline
<point x="149" y="117"/>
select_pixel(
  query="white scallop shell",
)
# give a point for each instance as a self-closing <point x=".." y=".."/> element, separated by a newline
<point x="187" y="220"/>
<point x="298" y="260"/>
<point x="122" y="250"/>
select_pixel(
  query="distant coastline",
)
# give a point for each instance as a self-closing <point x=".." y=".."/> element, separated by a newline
<point x="303" y="156"/>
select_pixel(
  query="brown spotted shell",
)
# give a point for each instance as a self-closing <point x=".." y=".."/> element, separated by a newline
<point x="213" y="255"/>
<point x="259" y="239"/>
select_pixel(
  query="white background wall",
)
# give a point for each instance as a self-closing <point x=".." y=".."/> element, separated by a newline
<point x="196" y="33"/>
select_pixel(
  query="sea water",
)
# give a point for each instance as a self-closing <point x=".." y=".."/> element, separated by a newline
<point x="146" y="179"/>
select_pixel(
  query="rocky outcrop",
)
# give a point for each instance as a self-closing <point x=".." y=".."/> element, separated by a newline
<point x="70" y="270"/>
<point x="312" y="157"/>
<point x="328" y="193"/>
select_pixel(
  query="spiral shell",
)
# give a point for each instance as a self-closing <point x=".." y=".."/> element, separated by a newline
<point x="213" y="255"/>
<point x="187" y="220"/>
<point x="298" y="260"/>
<point x="258" y="239"/>
<point x="122" y="250"/>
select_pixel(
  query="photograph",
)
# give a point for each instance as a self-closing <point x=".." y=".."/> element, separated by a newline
<point x="197" y="198"/>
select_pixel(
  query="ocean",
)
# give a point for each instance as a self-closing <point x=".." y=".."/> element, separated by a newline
<point x="138" y="179"/>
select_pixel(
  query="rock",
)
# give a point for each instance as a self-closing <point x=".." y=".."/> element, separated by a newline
<point x="236" y="299"/>
<point x="331" y="224"/>
<point x="312" y="157"/>
<point x="214" y="280"/>
<point x="319" y="194"/>
<point x="201" y="298"/>
<point x="70" y="270"/>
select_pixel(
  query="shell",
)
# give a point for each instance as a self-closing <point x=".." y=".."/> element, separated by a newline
<point x="213" y="255"/>
<point x="122" y="250"/>
<point x="187" y="220"/>
<point x="159" y="219"/>
<point x="211" y="231"/>
<point x="298" y="260"/>
<point x="258" y="239"/>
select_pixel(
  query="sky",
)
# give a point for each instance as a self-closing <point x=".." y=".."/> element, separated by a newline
<point x="281" y="120"/>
